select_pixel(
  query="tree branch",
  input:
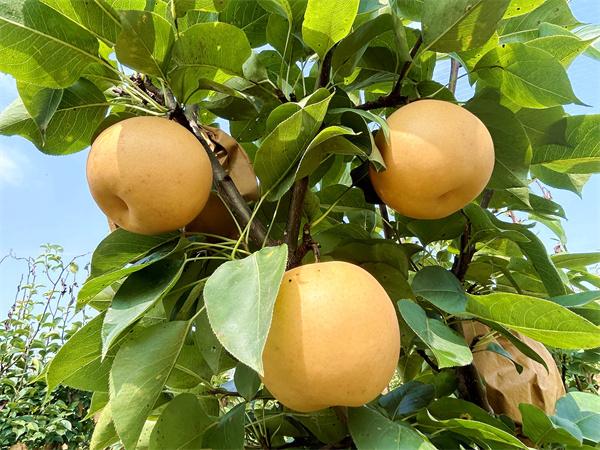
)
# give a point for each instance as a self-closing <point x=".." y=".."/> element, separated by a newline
<point x="467" y="250"/>
<point x="295" y="253"/>
<point x="454" y="66"/>
<point x="394" y="98"/>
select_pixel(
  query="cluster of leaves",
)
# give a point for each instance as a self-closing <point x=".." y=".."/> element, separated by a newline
<point x="301" y="84"/>
<point x="41" y="319"/>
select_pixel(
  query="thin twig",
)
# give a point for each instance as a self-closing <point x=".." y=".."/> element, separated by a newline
<point x="454" y="66"/>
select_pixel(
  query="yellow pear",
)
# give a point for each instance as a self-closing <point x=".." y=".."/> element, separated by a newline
<point x="439" y="158"/>
<point x="149" y="175"/>
<point x="214" y="218"/>
<point x="334" y="339"/>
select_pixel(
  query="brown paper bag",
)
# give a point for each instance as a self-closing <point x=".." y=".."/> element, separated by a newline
<point x="236" y="162"/>
<point x="505" y="387"/>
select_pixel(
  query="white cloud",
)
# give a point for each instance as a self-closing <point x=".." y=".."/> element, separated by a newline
<point x="11" y="167"/>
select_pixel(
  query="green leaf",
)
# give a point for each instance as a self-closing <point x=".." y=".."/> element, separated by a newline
<point x="205" y="50"/>
<point x="408" y="398"/>
<point x="209" y="346"/>
<point x="564" y="48"/>
<point x="437" y="229"/>
<point x="228" y="432"/>
<point x="579" y="299"/>
<point x="96" y="283"/>
<point x="511" y="145"/>
<point x="479" y="432"/>
<point x="454" y="25"/>
<point x="322" y="145"/>
<point x="371" y="430"/>
<point x="582" y="152"/>
<point x="190" y="369"/>
<point x="140" y="291"/>
<point x="246" y="381"/>
<point x="240" y="296"/>
<point x="78" y="362"/>
<point x="281" y="149"/>
<point x="450" y="408"/>
<point x="552" y="11"/>
<point x="180" y="425"/>
<point x="26" y="27"/>
<point x="181" y="7"/>
<point x="351" y="49"/>
<point x="570" y="182"/>
<point x="520" y="7"/>
<point x="104" y="431"/>
<point x="122" y="247"/>
<point x="541" y="430"/>
<point x="325" y="424"/>
<point x="542" y="320"/>
<point x="81" y="109"/>
<point x="449" y="348"/>
<point x="327" y="23"/>
<point x="144" y="43"/>
<point x="95" y="16"/>
<point x="250" y="17"/>
<point x="545" y="126"/>
<point x="583" y="410"/>
<point x="528" y="76"/>
<point x="139" y="372"/>
<point x="575" y="260"/>
<point x="535" y="251"/>
<point x="441" y="288"/>
<point x="41" y="103"/>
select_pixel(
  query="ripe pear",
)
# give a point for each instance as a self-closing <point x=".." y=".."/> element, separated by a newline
<point x="214" y="218"/>
<point x="149" y="175"/>
<point x="439" y="158"/>
<point x="334" y="339"/>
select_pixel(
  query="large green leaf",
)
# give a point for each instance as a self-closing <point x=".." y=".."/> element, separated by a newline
<point x="478" y="431"/>
<point x="140" y="291"/>
<point x="537" y="254"/>
<point x="41" y="103"/>
<point x="350" y="50"/>
<point x="104" y="431"/>
<point x="95" y="16"/>
<point x="455" y="25"/>
<point x="528" y="76"/>
<point x="250" y="17"/>
<point x="180" y="425"/>
<point x="441" y="288"/>
<point x="144" y="43"/>
<point x="520" y="7"/>
<point x="203" y="51"/>
<point x="542" y="430"/>
<point x="570" y="182"/>
<point x="281" y="149"/>
<point x="542" y="320"/>
<point x="575" y="260"/>
<point x="240" y="296"/>
<point x="583" y="410"/>
<point x="371" y="430"/>
<point x="545" y="126"/>
<point x="581" y="155"/>
<point x="228" y="432"/>
<point x="139" y="372"/>
<point x="449" y="348"/>
<point x="27" y="27"/>
<point x="564" y="48"/>
<point x="95" y="284"/>
<point x="70" y="129"/>
<point x="511" y="145"/>
<point x="327" y="23"/>
<point x="551" y="11"/>
<point x="78" y="363"/>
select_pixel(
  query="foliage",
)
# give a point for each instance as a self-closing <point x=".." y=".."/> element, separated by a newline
<point x="302" y="84"/>
<point x="39" y="322"/>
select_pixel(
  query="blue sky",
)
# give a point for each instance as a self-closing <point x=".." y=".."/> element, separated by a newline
<point x="45" y="199"/>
